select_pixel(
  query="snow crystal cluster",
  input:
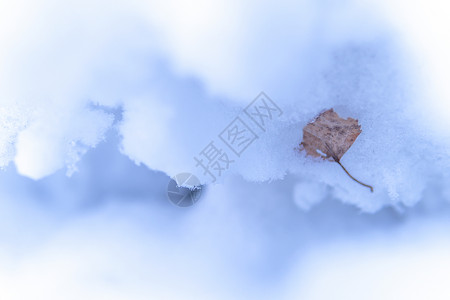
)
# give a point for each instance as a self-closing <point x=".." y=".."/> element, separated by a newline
<point x="168" y="77"/>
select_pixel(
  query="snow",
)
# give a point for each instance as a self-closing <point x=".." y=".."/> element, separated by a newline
<point x="100" y="104"/>
<point x="179" y="83"/>
<point x="58" y="136"/>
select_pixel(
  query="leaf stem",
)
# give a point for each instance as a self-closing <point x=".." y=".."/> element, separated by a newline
<point x="366" y="185"/>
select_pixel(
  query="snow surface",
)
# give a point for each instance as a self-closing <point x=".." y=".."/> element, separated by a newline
<point x="154" y="82"/>
<point x="180" y="75"/>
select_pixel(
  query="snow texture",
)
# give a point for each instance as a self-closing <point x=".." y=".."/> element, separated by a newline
<point x="180" y="73"/>
<point x="121" y="95"/>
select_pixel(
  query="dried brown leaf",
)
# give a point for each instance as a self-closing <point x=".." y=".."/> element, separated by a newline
<point x="330" y="136"/>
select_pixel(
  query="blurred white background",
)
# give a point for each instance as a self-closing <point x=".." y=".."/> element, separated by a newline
<point x="101" y="102"/>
